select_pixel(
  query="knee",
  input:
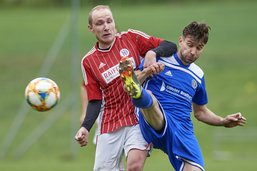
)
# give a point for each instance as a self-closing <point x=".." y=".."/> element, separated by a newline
<point x="136" y="161"/>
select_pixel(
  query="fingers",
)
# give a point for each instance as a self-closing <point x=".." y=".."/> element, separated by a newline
<point x="156" y="68"/>
<point x="236" y="120"/>
<point x="83" y="142"/>
<point x="232" y="118"/>
<point x="242" y="121"/>
<point x="237" y="117"/>
<point x="78" y="136"/>
<point x="243" y="118"/>
<point x="81" y="138"/>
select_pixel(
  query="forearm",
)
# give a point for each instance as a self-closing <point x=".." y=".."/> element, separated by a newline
<point x="211" y="119"/>
<point x="92" y="113"/>
<point x="205" y="115"/>
<point x="141" y="75"/>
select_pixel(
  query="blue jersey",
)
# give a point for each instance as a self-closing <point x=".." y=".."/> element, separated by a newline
<point x="175" y="88"/>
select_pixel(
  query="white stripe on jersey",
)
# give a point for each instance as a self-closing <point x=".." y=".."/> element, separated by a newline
<point x="171" y="60"/>
<point x="181" y="69"/>
<point x="90" y="52"/>
<point x="197" y="70"/>
<point x="82" y="67"/>
<point x="137" y="32"/>
<point x="84" y="74"/>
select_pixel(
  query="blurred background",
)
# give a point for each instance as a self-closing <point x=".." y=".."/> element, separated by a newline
<point x="49" y="38"/>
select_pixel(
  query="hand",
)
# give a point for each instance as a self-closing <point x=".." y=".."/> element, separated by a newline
<point x="150" y="58"/>
<point x="82" y="136"/>
<point x="155" y="68"/>
<point x="234" y="120"/>
<point x="149" y="71"/>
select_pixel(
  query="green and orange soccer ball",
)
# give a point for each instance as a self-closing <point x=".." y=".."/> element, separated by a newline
<point x="42" y="94"/>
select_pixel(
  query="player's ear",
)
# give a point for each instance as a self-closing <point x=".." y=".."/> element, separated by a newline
<point x="180" y="40"/>
<point x="90" y="28"/>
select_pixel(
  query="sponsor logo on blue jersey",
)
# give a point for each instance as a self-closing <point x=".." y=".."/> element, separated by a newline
<point x="175" y="91"/>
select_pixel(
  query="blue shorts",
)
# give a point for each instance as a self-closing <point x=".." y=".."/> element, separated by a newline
<point x="178" y="143"/>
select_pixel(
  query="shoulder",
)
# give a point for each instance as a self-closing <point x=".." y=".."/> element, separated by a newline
<point x="89" y="55"/>
<point x="135" y="33"/>
<point x="172" y="62"/>
<point x="168" y="60"/>
<point x="196" y="70"/>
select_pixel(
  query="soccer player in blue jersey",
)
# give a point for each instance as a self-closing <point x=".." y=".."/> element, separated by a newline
<point x="167" y="99"/>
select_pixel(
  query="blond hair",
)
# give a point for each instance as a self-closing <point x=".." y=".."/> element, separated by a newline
<point x="98" y="7"/>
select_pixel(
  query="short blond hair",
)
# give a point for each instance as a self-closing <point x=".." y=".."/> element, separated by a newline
<point x="98" y="7"/>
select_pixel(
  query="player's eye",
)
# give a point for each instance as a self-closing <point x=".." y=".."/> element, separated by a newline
<point x="109" y="20"/>
<point x="189" y="44"/>
<point x="98" y="23"/>
<point x="199" y="47"/>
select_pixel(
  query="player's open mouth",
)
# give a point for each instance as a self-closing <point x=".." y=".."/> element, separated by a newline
<point x="107" y="35"/>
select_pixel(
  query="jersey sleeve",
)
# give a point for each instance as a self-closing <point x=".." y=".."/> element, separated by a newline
<point x="143" y="41"/>
<point x="200" y="96"/>
<point x="92" y="86"/>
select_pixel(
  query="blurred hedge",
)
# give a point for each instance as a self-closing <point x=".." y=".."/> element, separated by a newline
<point x="63" y="3"/>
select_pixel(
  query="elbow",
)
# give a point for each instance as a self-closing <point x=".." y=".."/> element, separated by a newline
<point x="171" y="47"/>
<point x="174" y="47"/>
<point x="198" y="116"/>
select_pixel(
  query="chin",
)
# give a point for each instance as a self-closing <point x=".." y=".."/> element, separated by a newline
<point x="108" y="40"/>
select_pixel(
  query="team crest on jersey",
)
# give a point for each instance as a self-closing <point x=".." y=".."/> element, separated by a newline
<point x="124" y="52"/>
<point x="194" y="83"/>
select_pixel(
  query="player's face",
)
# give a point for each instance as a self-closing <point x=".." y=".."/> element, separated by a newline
<point x="190" y="49"/>
<point x="103" y="27"/>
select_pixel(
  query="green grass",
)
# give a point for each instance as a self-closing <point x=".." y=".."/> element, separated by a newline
<point x="229" y="62"/>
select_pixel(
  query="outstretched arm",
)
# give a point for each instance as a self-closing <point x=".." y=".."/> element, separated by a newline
<point x="202" y="113"/>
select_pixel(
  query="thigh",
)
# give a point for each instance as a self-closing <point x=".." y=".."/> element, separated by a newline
<point x="154" y="115"/>
<point x="136" y="148"/>
<point x="135" y="140"/>
<point x="109" y="150"/>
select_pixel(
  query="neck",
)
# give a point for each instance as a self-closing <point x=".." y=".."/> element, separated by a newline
<point x="179" y="56"/>
<point x="104" y="46"/>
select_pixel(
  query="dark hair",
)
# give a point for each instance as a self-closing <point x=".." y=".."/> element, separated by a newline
<point x="199" y="31"/>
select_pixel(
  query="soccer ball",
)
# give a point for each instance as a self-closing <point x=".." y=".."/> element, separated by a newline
<point x="42" y="94"/>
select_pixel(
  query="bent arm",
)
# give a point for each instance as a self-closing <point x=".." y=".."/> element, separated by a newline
<point x="202" y="113"/>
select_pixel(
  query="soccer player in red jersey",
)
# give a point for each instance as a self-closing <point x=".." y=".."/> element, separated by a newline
<point x="119" y="129"/>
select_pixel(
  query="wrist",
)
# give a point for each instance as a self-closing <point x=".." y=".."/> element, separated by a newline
<point x="222" y="122"/>
<point x="85" y="129"/>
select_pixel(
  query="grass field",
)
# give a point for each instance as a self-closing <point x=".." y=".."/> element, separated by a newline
<point x="229" y="61"/>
